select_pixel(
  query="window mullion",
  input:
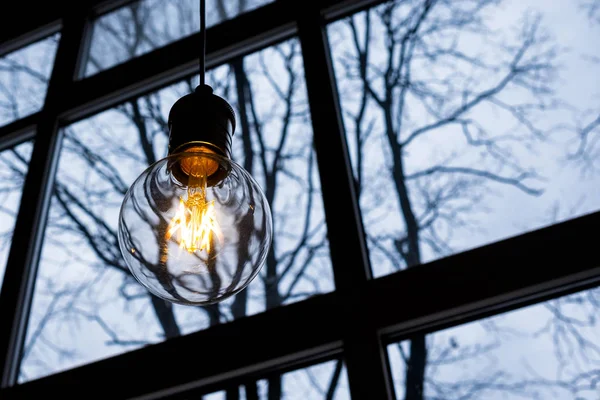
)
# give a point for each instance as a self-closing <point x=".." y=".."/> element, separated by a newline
<point x="363" y="352"/>
<point x="15" y="298"/>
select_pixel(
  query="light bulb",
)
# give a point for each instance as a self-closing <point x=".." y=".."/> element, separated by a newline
<point x="195" y="228"/>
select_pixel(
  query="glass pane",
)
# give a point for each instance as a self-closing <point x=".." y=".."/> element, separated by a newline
<point x="327" y="381"/>
<point x="13" y="169"/>
<point x="547" y="351"/>
<point x="24" y="78"/>
<point x="214" y="396"/>
<point x="468" y="121"/>
<point x="149" y="24"/>
<point x="86" y="304"/>
<point x="211" y="396"/>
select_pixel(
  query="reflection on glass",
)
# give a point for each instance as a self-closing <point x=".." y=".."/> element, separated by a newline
<point x="13" y="168"/>
<point x="546" y="351"/>
<point x="86" y="305"/>
<point x="468" y="121"/>
<point x="24" y="78"/>
<point x="146" y="25"/>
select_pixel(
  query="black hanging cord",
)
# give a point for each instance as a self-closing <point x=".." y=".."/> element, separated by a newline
<point x="202" y="41"/>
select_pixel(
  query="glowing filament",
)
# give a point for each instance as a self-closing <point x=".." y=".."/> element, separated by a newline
<point x="195" y="222"/>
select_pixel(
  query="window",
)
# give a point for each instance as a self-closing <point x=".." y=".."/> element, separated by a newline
<point x="13" y="168"/>
<point x="83" y="283"/>
<point x="466" y="122"/>
<point x="460" y="136"/>
<point x="546" y="351"/>
<point x="146" y="25"/>
<point x="24" y="78"/>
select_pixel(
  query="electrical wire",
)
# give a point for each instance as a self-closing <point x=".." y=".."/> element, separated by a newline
<point x="202" y="41"/>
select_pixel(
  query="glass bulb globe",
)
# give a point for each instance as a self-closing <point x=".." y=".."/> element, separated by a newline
<point x="195" y="228"/>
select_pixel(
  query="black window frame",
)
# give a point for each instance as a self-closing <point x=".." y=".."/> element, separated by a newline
<point x="356" y="321"/>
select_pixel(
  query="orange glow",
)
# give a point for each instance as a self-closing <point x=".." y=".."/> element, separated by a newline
<point x="195" y="222"/>
<point x="199" y="165"/>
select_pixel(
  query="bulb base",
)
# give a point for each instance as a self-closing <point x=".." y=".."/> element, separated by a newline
<point x="201" y="118"/>
<point x="200" y="122"/>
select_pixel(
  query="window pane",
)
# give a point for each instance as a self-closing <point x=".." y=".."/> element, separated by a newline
<point x="327" y="381"/>
<point x="86" y="304"/>
<point x="214" y="396"/>
<point x="13" y="168"/>
<point x="468" y="121"/>
<point x="546" y="351"/>
<point x="149" y="24"/>
<point x="24" y="78"/>
<point x="211" y="396"/>
<point x="322" y="381"/>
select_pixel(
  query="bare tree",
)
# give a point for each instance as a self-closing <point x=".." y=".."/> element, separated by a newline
<point x="12" y="172"/>
<point x="23" y="78"/>
<point x="413" y="76"/>
<point x="98" y="161"/>
<point x="408" y="78"/>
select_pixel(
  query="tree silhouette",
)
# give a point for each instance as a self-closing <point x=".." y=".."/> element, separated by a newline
<point x="23" y="79"/>
<point x="83" y="280"/>
<point x="13" y="166"/>
<point x="441" y="107"/>
<point x="410" y="74"/>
